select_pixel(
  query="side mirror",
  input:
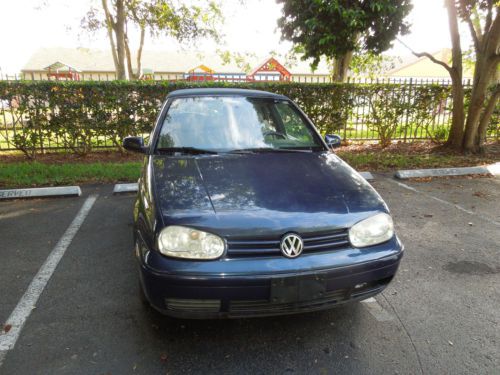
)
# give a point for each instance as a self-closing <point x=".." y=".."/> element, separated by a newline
<point x="135" y="144"/>
<point x="333" y="140"/>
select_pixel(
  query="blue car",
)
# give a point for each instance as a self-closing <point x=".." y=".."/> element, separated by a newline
<point x="244" y="210"/>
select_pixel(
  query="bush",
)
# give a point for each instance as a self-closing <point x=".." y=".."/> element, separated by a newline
<point x="387" y="106"/>
<point x="80" y="116"/>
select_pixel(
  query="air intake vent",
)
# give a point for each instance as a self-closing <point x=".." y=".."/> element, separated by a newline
<point x="264" y="306"/>
<point x="193" y="305"/>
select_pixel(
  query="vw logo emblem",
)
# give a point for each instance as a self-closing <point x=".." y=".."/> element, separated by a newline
<point x="291" y="245"/>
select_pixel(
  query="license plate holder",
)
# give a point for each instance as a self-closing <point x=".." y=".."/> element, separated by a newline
<point x="294" y="289"/>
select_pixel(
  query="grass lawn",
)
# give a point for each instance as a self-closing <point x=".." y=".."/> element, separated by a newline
<point x="111" y="166"/>
<point x="29" y="174"/>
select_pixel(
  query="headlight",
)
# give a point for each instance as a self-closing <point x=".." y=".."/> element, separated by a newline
<point x="374" y="230"/>
<point x="183" y="242"/>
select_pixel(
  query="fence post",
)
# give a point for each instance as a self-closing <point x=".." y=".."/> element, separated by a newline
<point x="407" y="110"/>
<point x="2" y="109"/>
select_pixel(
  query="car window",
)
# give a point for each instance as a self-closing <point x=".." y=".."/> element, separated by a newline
<point x="293" y="123"/>
<point x="226" y="123"/>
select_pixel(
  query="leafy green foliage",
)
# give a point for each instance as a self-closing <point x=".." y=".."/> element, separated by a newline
<point x="184" y="22"/>
<point x="84" y="115"/>
<point x="334" y="28"/>
<point x="371" y="65"/>
<point x="387" y="106"/>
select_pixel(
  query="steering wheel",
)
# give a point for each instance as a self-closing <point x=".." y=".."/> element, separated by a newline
<point x="274" y="134"/>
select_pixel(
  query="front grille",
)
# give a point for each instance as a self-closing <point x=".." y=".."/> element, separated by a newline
<point x="266" y="246"/>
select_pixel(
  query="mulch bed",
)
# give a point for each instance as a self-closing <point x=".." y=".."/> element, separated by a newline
<point x="492" y="153"/>
<point x="492" y="149"/>
<point x="108" y="156"/>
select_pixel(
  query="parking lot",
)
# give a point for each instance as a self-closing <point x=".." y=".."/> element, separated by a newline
<point x="440" y="315"/>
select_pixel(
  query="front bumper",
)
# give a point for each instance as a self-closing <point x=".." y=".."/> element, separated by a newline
<point x="269" y="286"/>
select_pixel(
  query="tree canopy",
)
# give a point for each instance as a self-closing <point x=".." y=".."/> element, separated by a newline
<point x="157" y="18"/>
<point x="336" y="28"/>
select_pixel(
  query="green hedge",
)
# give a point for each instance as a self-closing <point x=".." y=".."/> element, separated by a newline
<point x="80" y="116"/>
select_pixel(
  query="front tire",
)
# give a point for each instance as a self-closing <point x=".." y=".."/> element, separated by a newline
<point x="142" y="295"/>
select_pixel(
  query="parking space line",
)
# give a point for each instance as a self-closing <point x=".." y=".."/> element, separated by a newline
<point x="458" y="207"/>
<point x="377" y="310"/>
<point x="28" y="301"/>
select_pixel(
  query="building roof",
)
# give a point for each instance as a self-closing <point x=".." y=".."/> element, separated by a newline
<point x="61" y="67"/>
<point x="270" y="64"/>
<point x="92" y="60"/>
<point x="423" y="67"/>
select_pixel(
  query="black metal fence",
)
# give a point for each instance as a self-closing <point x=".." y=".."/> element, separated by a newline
<point x="235" y="77"/>
<point x="384" y="109"/>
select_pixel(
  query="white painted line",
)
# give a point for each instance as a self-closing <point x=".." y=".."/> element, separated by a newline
<point x="440" y="172"/>
<point x="494" y="169"/>
<point x="446" y="203"/>
<point x="28" y="301"/>
<point x="126" y="188"/>
<point x="367" y="176"/>
<point x="377" y="310"/>
<point x="41" y="192"/>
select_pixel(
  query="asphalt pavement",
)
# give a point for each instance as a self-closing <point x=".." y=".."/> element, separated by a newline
<point x="440" y="315"/>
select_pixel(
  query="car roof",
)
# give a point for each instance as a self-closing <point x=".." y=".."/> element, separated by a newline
<point x="224" y="92"/>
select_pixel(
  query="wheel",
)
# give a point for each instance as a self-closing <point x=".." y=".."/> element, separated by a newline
<point x="142" y="295"/>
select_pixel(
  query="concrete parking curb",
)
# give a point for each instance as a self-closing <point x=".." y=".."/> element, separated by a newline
<point x="441" y="172"/>
<point x="367" y="176"/>
<point x="59" y="191"/>
<point x="494" y="169"/>
<point x="125" y="188"/>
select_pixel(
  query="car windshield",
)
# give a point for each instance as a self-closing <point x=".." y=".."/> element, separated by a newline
<point x="226" y="123"/>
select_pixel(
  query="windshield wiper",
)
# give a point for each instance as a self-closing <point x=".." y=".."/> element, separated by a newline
<point x="186" y="150"/>
<point x="265" y="149"/>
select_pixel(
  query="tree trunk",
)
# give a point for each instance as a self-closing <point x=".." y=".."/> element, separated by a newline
<point x="121" y="72"/>
<point x="455" y="137"/>
<point x="485" y="118"/>
<point x="139" y="52"/>
<point x="478" y="96"/>
<point x="341" y="67"/>
<point x="129" y="59"/>
<point x="457" y="123"/>
<point x="484" y="71"/>
<point x="110" y="27"/>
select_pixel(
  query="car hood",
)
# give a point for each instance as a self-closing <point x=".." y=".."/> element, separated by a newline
<point x="253" y="193"/>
